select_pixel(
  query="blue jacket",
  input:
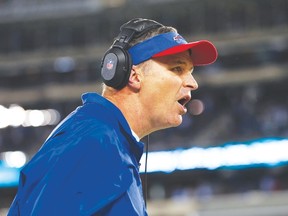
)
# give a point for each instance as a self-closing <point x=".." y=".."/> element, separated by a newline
<point x="89" y="165"/>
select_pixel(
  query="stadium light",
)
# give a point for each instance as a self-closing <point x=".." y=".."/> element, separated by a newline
<point x="16" y="116"/>
<point x="265" y="152"/>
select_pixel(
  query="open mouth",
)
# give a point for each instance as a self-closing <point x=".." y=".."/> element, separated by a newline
<point x="184" y="100"/>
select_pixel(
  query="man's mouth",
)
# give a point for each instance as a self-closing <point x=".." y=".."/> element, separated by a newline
<point x="184" y="100"/>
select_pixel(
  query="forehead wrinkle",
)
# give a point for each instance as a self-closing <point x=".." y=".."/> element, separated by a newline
<point x="182" y="59"/>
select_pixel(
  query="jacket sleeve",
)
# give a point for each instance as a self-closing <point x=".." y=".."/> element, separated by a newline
<point x="74" y="175"/>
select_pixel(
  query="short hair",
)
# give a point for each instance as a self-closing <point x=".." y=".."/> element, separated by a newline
<point x="152" y="33"/>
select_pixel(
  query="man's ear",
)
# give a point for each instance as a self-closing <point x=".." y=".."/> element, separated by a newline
<point x="135" y="78"/>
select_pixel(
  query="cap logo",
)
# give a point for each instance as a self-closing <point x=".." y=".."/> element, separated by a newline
<point x="178" y="38"/>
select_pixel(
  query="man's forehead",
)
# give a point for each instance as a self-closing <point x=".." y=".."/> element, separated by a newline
<point x="182" y="58"/>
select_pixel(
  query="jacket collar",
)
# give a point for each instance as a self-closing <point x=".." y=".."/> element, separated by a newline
<point x="91" y="97"/>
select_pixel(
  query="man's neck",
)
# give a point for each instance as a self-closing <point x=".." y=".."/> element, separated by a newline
<point x="129" y="105"/>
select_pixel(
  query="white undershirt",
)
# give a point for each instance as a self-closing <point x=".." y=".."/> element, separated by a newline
<point x="135" y="135"/>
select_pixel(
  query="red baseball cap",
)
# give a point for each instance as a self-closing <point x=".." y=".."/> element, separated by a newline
<point x="203" y="52"/>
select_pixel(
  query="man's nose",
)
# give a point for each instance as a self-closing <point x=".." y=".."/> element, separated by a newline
<point x="190" y="82"/>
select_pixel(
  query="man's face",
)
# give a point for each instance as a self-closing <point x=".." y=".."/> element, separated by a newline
<point x="167" y="89"/>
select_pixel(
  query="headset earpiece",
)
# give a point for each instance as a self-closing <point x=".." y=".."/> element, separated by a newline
<point x="116" y="67"/>
<point x="117" y="63"/>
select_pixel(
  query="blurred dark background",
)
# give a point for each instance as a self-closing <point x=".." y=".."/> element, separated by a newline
<point x="50" y="53"/>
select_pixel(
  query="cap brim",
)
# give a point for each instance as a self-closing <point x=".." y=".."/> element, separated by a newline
<point x="202" y="52"/>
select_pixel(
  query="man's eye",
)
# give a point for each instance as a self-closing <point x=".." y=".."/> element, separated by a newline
<point x="177" y="69"/>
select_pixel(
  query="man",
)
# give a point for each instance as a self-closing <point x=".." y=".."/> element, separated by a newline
<point x="89" y="165"/>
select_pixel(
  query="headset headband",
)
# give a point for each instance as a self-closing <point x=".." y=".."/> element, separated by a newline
<point x="134" y="29"/>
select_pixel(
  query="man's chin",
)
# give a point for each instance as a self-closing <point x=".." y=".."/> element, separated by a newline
<point x="176" y="122"/>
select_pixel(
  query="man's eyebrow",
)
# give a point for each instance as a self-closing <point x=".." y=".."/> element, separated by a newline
<point x="178" y="62"/>
<point x="181" y="62"/>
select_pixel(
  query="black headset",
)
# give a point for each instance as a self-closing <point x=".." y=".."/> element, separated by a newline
<point x="117" y="63"/>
